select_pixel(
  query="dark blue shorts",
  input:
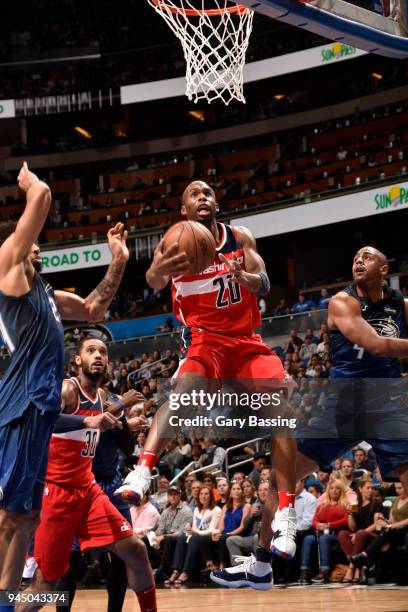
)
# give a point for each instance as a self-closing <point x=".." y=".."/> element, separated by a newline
<point x="336" y="431"/>
<point x="23" y="459"/>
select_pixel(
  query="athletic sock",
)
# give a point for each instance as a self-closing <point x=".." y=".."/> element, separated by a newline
<point x="147" y="599"/>
<point x="148" y="458"/>
<point x="262" y="555"/>
<point x="286" y="499"/>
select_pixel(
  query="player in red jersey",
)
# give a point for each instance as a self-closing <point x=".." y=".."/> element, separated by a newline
<point x="73" y="504"/>
<point x="219" y="308"/>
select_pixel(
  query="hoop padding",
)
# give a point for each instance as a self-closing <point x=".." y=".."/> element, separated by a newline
<point x="214" y="42"/>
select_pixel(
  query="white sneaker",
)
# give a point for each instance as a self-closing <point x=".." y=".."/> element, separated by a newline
<point x="249" y="573"/>
<point x="284" y="533"/>
<point x="135" y="485"/>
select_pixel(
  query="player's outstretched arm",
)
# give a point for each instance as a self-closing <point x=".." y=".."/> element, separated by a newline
<point x="18" y="245"/>
<point x="93" y="307"/>
<point x="254" y="277"/>
<point x="345" y="314"/>
<point x="166" y="263"/>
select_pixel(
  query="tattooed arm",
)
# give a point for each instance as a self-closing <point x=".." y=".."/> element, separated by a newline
<point x="93" y="307"/>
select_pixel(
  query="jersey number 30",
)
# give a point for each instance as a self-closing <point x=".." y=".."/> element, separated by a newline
<point x="91" y="440"/>
<point x="228" y="292"/>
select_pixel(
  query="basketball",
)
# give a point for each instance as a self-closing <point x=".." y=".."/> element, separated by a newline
<point x="196" y="240"/>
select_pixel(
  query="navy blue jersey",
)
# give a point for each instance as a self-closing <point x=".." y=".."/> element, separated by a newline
<point x="387" y="316"/>
<point x="32" y="330"/>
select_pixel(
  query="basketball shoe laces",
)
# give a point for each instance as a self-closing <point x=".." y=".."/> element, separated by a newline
<point x="244" y="564"/>
<point x="139" y="478"/>
<point x="286" y="527"/>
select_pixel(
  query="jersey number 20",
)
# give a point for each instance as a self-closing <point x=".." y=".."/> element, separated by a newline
<point x="228" y="293"/>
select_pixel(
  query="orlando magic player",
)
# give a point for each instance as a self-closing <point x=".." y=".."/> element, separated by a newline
<point x="30" y="391"/>
<point x="367" y="324"/>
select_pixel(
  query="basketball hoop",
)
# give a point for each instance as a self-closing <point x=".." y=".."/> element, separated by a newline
<point x="214" y="36"/>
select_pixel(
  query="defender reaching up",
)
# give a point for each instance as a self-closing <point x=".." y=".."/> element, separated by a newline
<point x="30" y="392"/>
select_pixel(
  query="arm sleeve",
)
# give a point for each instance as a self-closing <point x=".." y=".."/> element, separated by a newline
<point x="124" y="437"/>
<point x="68" y="422"/>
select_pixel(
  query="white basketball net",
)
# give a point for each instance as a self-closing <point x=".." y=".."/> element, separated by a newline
<point x="214" y="45"/>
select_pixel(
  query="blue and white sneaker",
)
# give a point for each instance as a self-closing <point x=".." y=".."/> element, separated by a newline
<point x="249" y="573"/>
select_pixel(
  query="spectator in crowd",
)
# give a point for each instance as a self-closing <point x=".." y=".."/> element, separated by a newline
<point x="315" y="489"/>
<point x="330" y="517"/>
<point x="222" y="490"/>
<point x="211" y="453"/>
<point x="362" y="519"/>
<point x="242" y="545"/>
<point x="307" y="349"/>
<point x="188" y="483"/>
<point x="294" y="343"/>
<point x="140" y="442"/>
<point x="347" y="469"/>
<point x="303" y="305"/>
<point x="394" y="531"/>
<point x="323" y="346"/>
<point x="173" y="522"/>
<point x="265" y="474"/>
<point x="183" y="447"/>
<point x="206" y="519"/>
<point x="145" y="517"/>
<point x="258" y="461"/>
<point x="232" y="522"/>
<point x="324" y="299"/>
<point x="249" y="490"/>
<point x="160" y="499"/>
<point x="362" y="460"/>
<point x="351" y="494"/>
<point x="281" y="309"/>
<point x="195" y="490"/>
<point x="238" y="477"/>
<point x="310" y="334"/>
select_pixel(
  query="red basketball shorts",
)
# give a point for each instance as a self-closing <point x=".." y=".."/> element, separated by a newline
<point x="220" y="356"/>
<point x="67" y="512"/>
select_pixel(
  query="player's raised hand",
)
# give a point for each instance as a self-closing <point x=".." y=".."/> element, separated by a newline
<point x="138" y="423"/>
<point x="168" y="261"/>
<point x="103" y="422"/>
<point x="26" y="178"/>
<point x="117" y="236"/>
<point x="132" y="397"/>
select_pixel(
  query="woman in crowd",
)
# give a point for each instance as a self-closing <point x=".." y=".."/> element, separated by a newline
<point x="249" y="490"/>
<point x="233" y="521"/>
<point x="192" y="544"/>
<point x="393" y="531"/>
<point x="351" y="495"/>
<point x="330" y="517"/>
<point x="361" y="526"/>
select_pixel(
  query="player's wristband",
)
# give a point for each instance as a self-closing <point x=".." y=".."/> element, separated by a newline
<point x="121" y="404"/>
<point x="265" y="284"/>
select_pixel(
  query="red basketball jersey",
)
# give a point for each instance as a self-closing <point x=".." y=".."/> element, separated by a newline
<point x="71" y="453"/>
<point x="211" y="300"/>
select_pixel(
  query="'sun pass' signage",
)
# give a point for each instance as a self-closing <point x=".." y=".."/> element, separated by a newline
<point x="75" y="258"/>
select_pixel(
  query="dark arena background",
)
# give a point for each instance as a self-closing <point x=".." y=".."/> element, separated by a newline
<point x="314" y="164"/>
